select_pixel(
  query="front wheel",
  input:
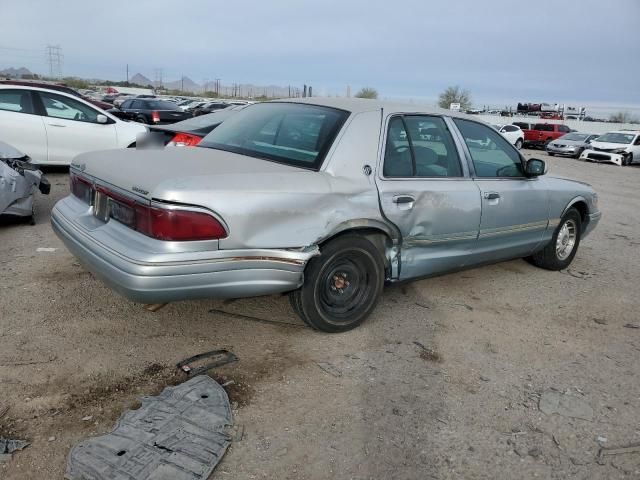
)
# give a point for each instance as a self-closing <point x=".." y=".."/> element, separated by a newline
<point x="341" y="286"/>
<point x="559" y="252"/>
<point x="627" y="159"/>
<point x="519" y="143"/>
<point x="141" y="119"/>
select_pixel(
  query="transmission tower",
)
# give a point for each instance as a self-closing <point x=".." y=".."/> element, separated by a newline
<point x="54" y="57"/>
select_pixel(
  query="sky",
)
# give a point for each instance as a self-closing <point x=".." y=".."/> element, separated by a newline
<point x="502" y="51"/>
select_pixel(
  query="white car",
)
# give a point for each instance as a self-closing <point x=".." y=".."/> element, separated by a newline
<point x="513" y="133"/>
<point x="621" y="147"/>
<point x="53" y="127"/>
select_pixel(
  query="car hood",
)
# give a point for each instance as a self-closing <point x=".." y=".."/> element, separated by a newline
<point x="609" y="146"/>
<point x="8" y="151"/>
<point x="572" y="143"/>
<point x="182" y="174"/>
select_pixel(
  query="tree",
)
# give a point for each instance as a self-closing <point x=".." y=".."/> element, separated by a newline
<point x="622" y="117"/>
<point x="455" y="95"/>
<point x="367" y="92"/>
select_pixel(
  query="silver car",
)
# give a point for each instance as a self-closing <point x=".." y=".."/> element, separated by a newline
<point x="327" y="199"/>
<point x="571" y="145"/>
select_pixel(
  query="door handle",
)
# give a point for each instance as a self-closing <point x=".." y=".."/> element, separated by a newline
<point x="491" y="195"/>
<point x="400" y="199"/>
<point x="56" y="125"/>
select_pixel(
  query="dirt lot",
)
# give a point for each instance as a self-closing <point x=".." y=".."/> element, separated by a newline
<point x="465" y="406"/>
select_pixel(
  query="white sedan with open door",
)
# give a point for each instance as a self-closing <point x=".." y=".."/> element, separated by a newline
<point x="53" y="127"/>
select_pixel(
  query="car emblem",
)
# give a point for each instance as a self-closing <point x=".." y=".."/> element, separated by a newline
<point x="140" y="190"/>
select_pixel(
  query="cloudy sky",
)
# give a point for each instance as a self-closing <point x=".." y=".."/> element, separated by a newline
<point x="501" y="50"/>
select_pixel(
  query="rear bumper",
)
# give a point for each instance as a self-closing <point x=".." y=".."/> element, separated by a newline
<point x="222" y="274"/>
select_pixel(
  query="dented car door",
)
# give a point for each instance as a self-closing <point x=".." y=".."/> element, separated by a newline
<point x="426" y="191"/>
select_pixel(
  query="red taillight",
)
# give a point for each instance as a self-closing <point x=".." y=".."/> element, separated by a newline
<point x="81" y="188"/>
<point x="155" y="117"/>
<point x="176" y="224"/>
<point x="184" y="140"/>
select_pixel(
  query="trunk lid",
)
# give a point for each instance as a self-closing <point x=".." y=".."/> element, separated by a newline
<point x="176" y="173"/>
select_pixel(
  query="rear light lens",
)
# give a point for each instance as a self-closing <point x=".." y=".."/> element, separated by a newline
<point x="81" y="188"/>
<point x="184" y="140"/>
<point x="155" y="117"/>
<point x="176" y="224"/>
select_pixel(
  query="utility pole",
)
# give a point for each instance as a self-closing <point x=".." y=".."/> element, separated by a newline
<point x="127" y="74"/>
<point x="158" y="80"/>
<point x="182" y="83"/>
<point x="54" y="57"/>
<point x="217" y="87"/>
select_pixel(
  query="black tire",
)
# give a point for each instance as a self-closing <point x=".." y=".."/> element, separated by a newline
<point x="627" y="160"/>
<point x="549" y="257"/>
<point x="580" y="150"/>
<point x="341" y="286"/>
<point x="551" y="154"/>
<point x="519" y="143"/>
<point x="141" y="119"/>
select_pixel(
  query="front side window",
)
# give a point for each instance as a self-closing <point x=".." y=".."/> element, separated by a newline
<point x="290" y="133"/>
<point x="492" y="155"/>
<point x="58" y="106"/>
<point x="16" y="101"/>
<point x="420" y="146"/>
<point x="562" y="128"/>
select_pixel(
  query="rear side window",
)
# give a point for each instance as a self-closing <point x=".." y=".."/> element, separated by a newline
<point x="543" y="127"/>
<point x="420" y="146"/>
<point x="294" y="134"/>
<point x="16" y="101"/>
<point x="563" y="128"/>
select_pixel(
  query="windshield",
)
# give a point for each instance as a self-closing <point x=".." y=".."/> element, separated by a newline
<point x="160" y="105"/>
<point x="290" y="133"/>
<point x="614" y="137"/>
<point x="578" y="137"/>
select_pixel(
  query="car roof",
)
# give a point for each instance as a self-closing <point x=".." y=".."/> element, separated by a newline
<point x="359" y="105"/>
<point x="626" y="132"/>
<point x="7" y="86"/>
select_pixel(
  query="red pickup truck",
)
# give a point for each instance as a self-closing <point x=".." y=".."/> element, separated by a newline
<point x="543" y="133"/>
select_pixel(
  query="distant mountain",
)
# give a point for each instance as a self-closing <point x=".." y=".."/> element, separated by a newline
<point x="16" y="72"/>
<point x="140" y="79"/>
<point x="186" y="84"/>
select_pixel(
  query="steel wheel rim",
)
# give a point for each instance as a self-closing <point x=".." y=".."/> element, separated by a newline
<point x="345" y="285"/>
<point x="566" y="240"/>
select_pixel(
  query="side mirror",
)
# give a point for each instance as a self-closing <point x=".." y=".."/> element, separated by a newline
<point x="535" y="167"/>
<point x="102" y="118"/>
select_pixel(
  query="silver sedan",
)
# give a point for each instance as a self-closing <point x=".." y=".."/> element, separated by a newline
<point x="327" y="199"/>
<point x="571" y="145"/>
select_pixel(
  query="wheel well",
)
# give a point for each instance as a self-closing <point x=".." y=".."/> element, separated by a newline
<point x="378" y="237"/>
<point x="582" y="209"/>
<point x="133" y="145"/>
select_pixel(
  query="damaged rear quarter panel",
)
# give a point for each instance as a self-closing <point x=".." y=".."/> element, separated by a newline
<point x="297" y="208"/>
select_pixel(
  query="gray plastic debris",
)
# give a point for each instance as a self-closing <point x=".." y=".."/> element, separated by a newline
<point x="19" y="180"/>
<point x="8" y="446"/>
<point x="565" y="405"/>
<point x="178" y="435"/>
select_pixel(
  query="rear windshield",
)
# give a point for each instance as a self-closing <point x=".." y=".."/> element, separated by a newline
<point x="158" y="104"/>
<point x="204" y="121"/>
<point x="291" y="133"/>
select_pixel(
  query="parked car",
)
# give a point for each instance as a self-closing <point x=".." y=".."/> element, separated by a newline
<point x="210" y="107"/>
<point x="59" y="88"/>
<point x="621" y="147"/>
<point x="543" y="133"/>
<point x="512" y="133"/>
<point x="327" y="199"/>
<point x="188" y="133"/>
<point x="571" y="145"/>
<point x="53" y="127"/>
<point x="19" y="180"/>
<point x="149" y="110"/>
<point x="523" y="125"/>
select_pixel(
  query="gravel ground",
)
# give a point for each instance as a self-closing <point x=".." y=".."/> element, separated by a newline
<point x="370" y="403"/>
